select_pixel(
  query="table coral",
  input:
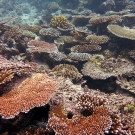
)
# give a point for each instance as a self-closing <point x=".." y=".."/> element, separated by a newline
<point x="94" y="39"/>
<point x="85" y="48"/>
<point x="35" y="46"/>
<point x="122" y="32"/>
<point x="33" y="92"/>
<point x="107" y="68"/>
<point x="103" y="19"/>
<point x="52" y="32"/>
<point x="67" y="71"/>
<point x="79" y="56"/>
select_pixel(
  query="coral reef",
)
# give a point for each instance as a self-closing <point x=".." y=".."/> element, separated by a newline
<point x="79" y="56"/>
<point x="121" y="31"/>
<point x="77" y="125"/>
<point x="18" y="67"/>
<point x="67" y="71"/>
<point x="52" y="32"/>
<point x="43" y="42"/>
<point x="35" y="46"/>
<point x="107" y="68"/>
<point x="58" y="21"/>
<point x="85" y="48"/>
<point x="6" y="75"/>
<point x="103" y="19"/>
<point x="34" y="91"/>
<point x="93" y="39"/>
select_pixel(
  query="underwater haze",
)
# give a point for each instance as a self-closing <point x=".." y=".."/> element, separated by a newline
<point x="67" y="67"/>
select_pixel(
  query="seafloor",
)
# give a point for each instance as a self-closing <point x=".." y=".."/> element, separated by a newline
<point x="67" y="67"/>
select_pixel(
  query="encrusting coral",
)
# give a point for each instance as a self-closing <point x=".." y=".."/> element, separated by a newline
<point x="67" y="71"/>
<point x="122" y="32"/>
<point x="94" y="39"/>
<point x="59" y="21"/>
<point x="33" y="92"/>
<point x="6" y="75"/>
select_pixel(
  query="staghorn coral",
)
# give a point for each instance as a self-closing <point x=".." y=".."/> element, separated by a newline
<point x="52" y="32"/>
<point x="85" y="48"/>
<point x="79" y="56"/>
<point x="33" y="92"/>
<point x="94" y="39"/>
<point x="103" y="19"/>
<point x="6" y="75"/>
<point x="58" y="21"/>
<point x="35" y="46"/>
<point x="121" y="31"/>
<point x="107" y="68"/>
<point x="67" y="71"/>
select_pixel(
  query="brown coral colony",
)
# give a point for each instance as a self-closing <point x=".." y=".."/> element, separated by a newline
<point x="69" y="70"/>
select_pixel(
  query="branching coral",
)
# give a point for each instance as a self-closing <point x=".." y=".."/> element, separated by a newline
<point x="59" y="21"/>
<point x="93" y="39"/>
<point x="67" y="71"/>
<point x="121" y="31"/>
<point x="34" y="91"/>
<point x="6" y="75"/>
<point x="17" y="67"/>
<point x="35" y="46"/>
<point x="97" y="123"/>
<point x="85" y="48"/>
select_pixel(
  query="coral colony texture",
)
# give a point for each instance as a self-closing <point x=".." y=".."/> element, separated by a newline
<point x="67" y="67"/>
